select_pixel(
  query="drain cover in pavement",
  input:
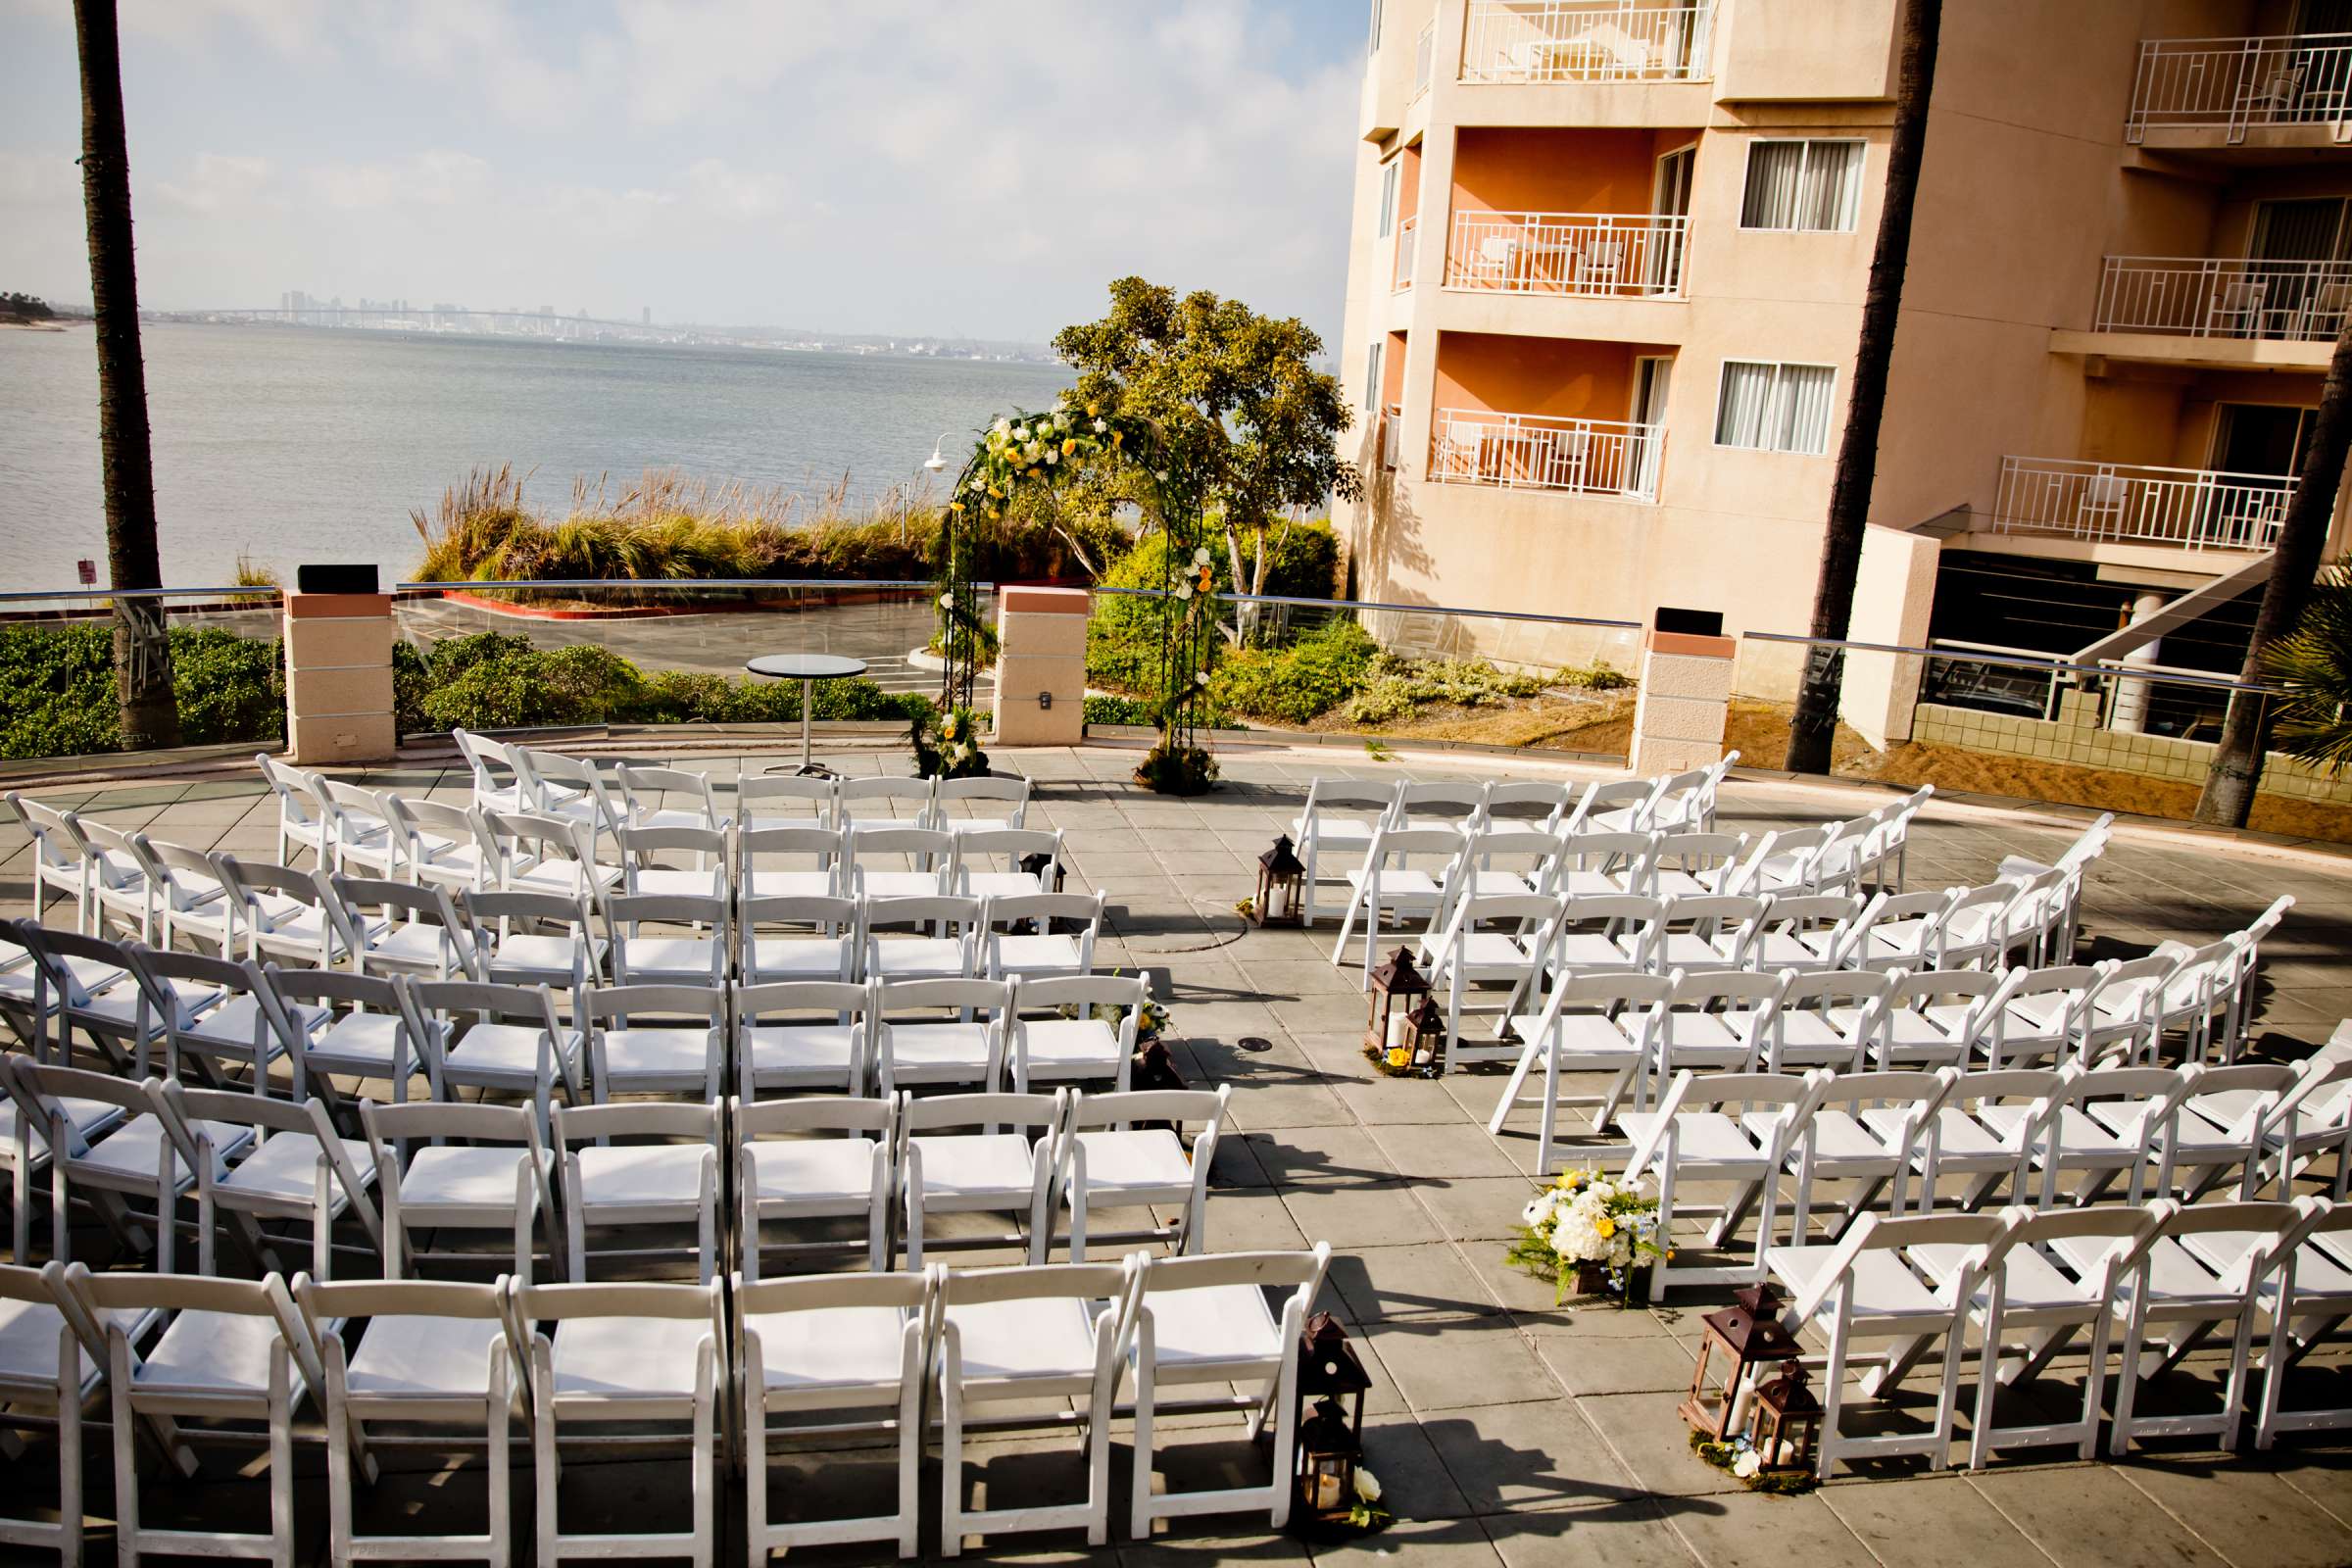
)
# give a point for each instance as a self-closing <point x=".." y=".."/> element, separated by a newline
<point x="1254" y="1042"/>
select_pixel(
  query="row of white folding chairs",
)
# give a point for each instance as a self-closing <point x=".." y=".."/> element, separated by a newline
<point x="732" y="1365"/>
<point x="2051" y="1137"/>
<point x="509" y="777"/>
<point x="2142" y="1286"/>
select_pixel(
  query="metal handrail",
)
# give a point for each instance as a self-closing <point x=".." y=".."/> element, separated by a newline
<point x="2054" y="665"/>
<point x="142" y="592"/>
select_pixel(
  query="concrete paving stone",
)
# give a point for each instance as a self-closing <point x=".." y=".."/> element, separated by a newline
<point x="2082" y="1515"/>
<point x="1452" y="1364"/>
<point x="1537" y="1454"/>
<point x="1618" y="1363"/>
<point x="1894" y="1518"/>
<point x="1647" y="1434"/>
<point x="1755" y="1530"/>
<point x="1324" y="1158"/>
<point x="1366" y="1216"/>
<point x="1635" y="1534"/>
<point x="1441" y="1149"/>
<point x="1291" y="1105"/>
<point x="1293" y="979"/>
<point x="1482" y="1210"/>
<point x="1383" y="1100"/>
<point x="1380" y="1283"/>
<point x="2230" y="1501"/>
<point x="1439" y="1542"/>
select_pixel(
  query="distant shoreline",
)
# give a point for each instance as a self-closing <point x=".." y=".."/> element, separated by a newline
<point x="38" y="326"/>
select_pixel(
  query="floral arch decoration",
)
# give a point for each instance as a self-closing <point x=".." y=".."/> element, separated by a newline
<point x="1027" y="453"/>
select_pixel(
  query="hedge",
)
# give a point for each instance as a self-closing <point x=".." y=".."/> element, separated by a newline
<point x="57" y="689"/>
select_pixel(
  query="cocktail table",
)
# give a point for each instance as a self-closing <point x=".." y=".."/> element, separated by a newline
<point x="807" y="669"/>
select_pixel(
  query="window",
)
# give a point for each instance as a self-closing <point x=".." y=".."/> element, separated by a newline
<point x="1372" y="376"/>
<point x="1388" y="196"/>
<point x="1774" y="408"/>
<point x="1803" y="185"/>
<point x="1377" y="6"/>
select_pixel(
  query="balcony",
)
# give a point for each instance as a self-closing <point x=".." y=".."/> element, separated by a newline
<point x="1425" y="54"/>
<point x="2231" y="86"/>
<point x="2193" y="509"/>
<point x="2294" y="302"/>
<point x="1537" y="451"/>
<point x="1401" y="276"/>
<point x="1584" y="255"/>
<point x="1585" y="41"/>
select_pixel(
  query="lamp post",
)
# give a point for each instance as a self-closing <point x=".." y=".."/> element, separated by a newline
<point x="937" y="462"/>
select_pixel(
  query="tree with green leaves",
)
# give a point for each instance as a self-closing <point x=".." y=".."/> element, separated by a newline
<point x="150" y="716"/>
<point x="2313" y="667"/>
<point x="1236" y="396"/>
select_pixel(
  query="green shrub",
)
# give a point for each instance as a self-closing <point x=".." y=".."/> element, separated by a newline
<point x="595" y="681"/>
<point x="412" y="678"/>
<point x="1300" y="683"/>
<point x="57" y="689"/>
<point x="502" y="693"/>
<point x="1119" y="710"/>
<point x="1396" y="686"/>
<point x="1598" y="676"/>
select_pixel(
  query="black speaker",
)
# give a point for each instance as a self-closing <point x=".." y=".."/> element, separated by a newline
<point x="335" y="578"/>
<point x="1690" y="622"/>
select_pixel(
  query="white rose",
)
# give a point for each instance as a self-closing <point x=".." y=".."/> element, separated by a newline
<point x="1053" y="455"/>
<point x="1162" y="476"/>
<point x="1020" y="432"/>
<point x="947" y="601"/>
<point x="1183" y="590"/>
<point x="1003" y="427"/>
<point x="1099" y="427"/>
<point x="1748" y="1464"/>
<point x="1201" y="557"/>
<point x="1200" y="677"/>
<point x="1367" y="1484"/>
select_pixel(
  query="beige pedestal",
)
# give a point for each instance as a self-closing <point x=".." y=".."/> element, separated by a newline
<point x="339" y="679"/>
<point x="1041" y="666"/>
<point x="1684" y="702"/>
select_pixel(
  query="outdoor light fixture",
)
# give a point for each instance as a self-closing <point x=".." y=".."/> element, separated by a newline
<point x="1388" y="1026"/>
<point x="1330" y="1441"/>
<point x="1739" y="1341"/>
<point x="937" y="462"/>
<point x="1281" y="899"/>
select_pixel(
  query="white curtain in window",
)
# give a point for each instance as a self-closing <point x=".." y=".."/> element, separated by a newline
<point x="1802" y="186"/>
<point x="1372" y="374"/>
<point x="1801" y="422"/>
<point x="1741" y="404"/>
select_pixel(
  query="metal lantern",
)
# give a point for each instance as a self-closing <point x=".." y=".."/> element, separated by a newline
<point x="1035" y="865"/>
<point x="1388" y="1026"/>
<point x="1787" y="1430"/>
<point x="1739" y="1341"/>
<point x="1429" y="1037"/>
<point x="1328" y="1453"/>
<point x="1281" y="899"/>
<point x="1328" y="1368"/>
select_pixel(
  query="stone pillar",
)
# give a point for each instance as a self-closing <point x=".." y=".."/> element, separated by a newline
<point x="1040" y="666"/>
<point x="2129" y="713"/>
<point x="339" y="679"/>
<point x="1684" y="700"/>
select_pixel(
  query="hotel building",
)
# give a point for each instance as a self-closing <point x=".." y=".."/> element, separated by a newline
<point x="1605" y="281"/>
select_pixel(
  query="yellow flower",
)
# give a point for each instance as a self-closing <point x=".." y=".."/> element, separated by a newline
<point x="1570" y="1181"/>
<point x="1069" y="446"/>
<point x="1117" y="436"/>
<point x="1604" y="1227"/>
<point x="1092" y="410"/>
<point x="996" y="494"/>
<point x="955" y="506"/>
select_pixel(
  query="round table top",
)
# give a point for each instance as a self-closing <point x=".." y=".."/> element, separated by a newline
<point x="805" y="666"/>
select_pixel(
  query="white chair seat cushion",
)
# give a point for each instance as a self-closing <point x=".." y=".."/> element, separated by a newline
<point x="87" y="1116"/>
<point x="668" y="1052"/>
<point x="904" y="958"/>
<point x="1806" y="1030"/>
<point x="1838" y="1137"/>
<point x="876" y="884"/>
<point x="1961" y="1141"/>
<point x="1071" y="1042"/>
<point x="2176" y="1276"/>
<point x="453" y="1176"/>
<point x="129" y="1152"/>
<point x="568" y="877"/>
<point x="530" y="952"/>
<point x="1590" y="949"/>
<point x="454" y="859"/>
<point x="1137" y="1159"/>
<point x="1584" y="1036"/>
<point x="970" y="1165"/>
<point x="1592" y="882"/>
<point x="1934" y="1026"/>
<point x="1024" y="1340"/>
<point x="629" y="1175"/>
<point x="695" y="957"/>
<point x="1883" y="1289"/>
<point x="1037" y="954"/>
<point x="1397" y="886"/>
<point x="506" y="1048"/>
<point x="413" y="945"/>
<point x="1485" y="954"/>
<point x="828" y="1048"/>
<point x="286" y="1166"/>
<point x="2032" y="1284"/>
<point x="1681" y="949"/>
<point x="936" y="1045"/>
<point x="800" y="958"/>
<point x="626" y="1359"/>
<point x="2079" y="1138"/>
<point x="810" y="1169"/>
<point x="1898" y="939"/>
<point x="1792" y="950"/>
<point x="1333" y="832"/>
<point x="830" y="1347"/>
<point x="677" y="882"/>
<point x="29" y="1342"/>
<point x="782" y="884"/>
<point x="222" y="1352"/>
<point x="1001" y="884"/>
<point x="359" y="1038"/>
<point x="120" y="1005"/>
<point x="231" y="1026"/>
<point x="1216" y="1324"/>
<point x="1702" y="1137"/>
<point x="425" y="1357"/>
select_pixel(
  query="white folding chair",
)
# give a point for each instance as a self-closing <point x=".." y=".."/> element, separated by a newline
<point x="1456" y="804"/>
<point x="1710" y="931"/>
<point x="1014" y="952"/>
<point x="355" y="1026"/>
<point x="669" y="1178"/>
<point x="1681" y="1142"/>
<point x="1018" y="1334"/>
<point x="535" y="939"/>
<point x="1127" y="1150"/>
<point x="1718" y="1020"/>
<point x="689" y="957"/>
<point x="1012" y="851"/>
<point x="283" y="912"/>
<point x="541" y="854"/>
<point x="826" y="950"/>
<point x="234" y="1350"/>
<point x="870" y="853"/>
<point x="447" y="846"/>
<point x="1205" y="1320"/>
<point x="984" y="1170"/>
<point x="825" y="1156"/>
<point x="418" y="933"/>
<point x="221" y="1019"/>
<point x="840" y="1343"/>
<point x="912" y="1045"/>
<point x="1804" y="931"/>
<point x="1085" y="1048"/>
<point x="1828" y="1018"/>
<point x="1607" y="1023"/>
<point x="1618" y="806"/>
<point x="635" y="1354"/>
<point x="1340" y="819"/>
<point x="826" y="876"/>
<point x="293" y="1167"/>
<point x="1785" y="862"/>
<point x="1694" y="864"/>
<point x="1899" y="930"/>
<point x="495" y="1180"/>
<point x="122" y="888"/>
<point x="1837" y="1144"/>
<point x="644" y="849"/>
<point x="568" y="787"/>
<point x="64" y="861"/>
<point x="303" y="821"/>
<point x="1387" y="884"/>
<point x="361" y="833"/>
<point x="655" y="1039"/>
<point x="995" y="800"/>
<point x="2224" y="1118"/>
<point x="498" y="786"/>
<point x="651" y="796"/>
<point x="1867" y="1286"/>
<point x="46" y="1371"/>
<point x="189" y="899"/>
<point x="2047" y="1017"/>
<point x="1941" y="1017"/>
<point x="1980" y="1131"/>
<point x="435" y="1352"/>
<point x="1606" y="865"/>
<point x="1491" y="940"/>
<point x="1529" y="804"/>
<point x="2306" y="1297"/>
<point x="945" y="943"/>
<point x="779" y="1048"/>
<point x="767" y="802"/>
<point x="492" y="1037"/>
<point x="89" y="991"/>
<point x="2132" y="1135"/>
<point x="859" y="802"/>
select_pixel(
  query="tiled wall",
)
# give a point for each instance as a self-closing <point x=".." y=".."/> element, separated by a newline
<point x="2076" y="738"/>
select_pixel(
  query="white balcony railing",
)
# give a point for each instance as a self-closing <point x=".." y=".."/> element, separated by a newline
<point x="1402" y="275"/>
<point x="2230" y="84"/>
<point x="1587" y="40"/>
<point x="1537" y="451"/>
<point x="1425" y="54"/>
<point x="2197" y="509"/>
<point x="2299" y="302"/>
<point x="1594" y="255"/>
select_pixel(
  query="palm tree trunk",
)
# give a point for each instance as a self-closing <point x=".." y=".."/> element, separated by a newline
<point x="150" y="716"/>
<point x="1815" y="725"/>
<point x="2228" y="794"/>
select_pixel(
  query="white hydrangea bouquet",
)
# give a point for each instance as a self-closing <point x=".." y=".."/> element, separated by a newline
<point x="1594" y="1231"/>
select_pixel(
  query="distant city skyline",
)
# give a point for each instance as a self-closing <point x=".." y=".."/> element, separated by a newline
<point x="893" y="169"/>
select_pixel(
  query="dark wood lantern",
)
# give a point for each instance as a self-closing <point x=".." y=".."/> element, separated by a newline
<point x="1389" y="1024"/>
<point x="1787" y="1435"/>
<point x="1281" y="899"/>
<point x="1328" y="1368"/>
<point x="1329" y="1452"/>
<point x="1035" y="865"/>
<point x="1740" y="1340"/>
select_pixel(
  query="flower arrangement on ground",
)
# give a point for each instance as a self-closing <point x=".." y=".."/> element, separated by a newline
<point x="947" y="745"/>
<point x="1365" y="1511"/>
<point x="1592" y="1230"/>
<point x="1746" y="1463"/>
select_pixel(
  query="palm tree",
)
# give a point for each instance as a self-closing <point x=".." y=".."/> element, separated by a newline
<point x="150" y="716"/>
<point x="1815" y="724"/>
<point x="2314" y="665"/>
<point x="2237" y="772"/>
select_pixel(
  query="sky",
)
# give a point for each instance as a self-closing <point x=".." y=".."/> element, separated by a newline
<point x="924" y="166"/>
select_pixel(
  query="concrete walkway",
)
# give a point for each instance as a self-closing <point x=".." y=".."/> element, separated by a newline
<point x="1505" y="1429"/>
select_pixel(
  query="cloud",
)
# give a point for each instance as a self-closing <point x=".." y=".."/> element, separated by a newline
<point x="439" y="178"/>
<point x="218" y="182"/>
